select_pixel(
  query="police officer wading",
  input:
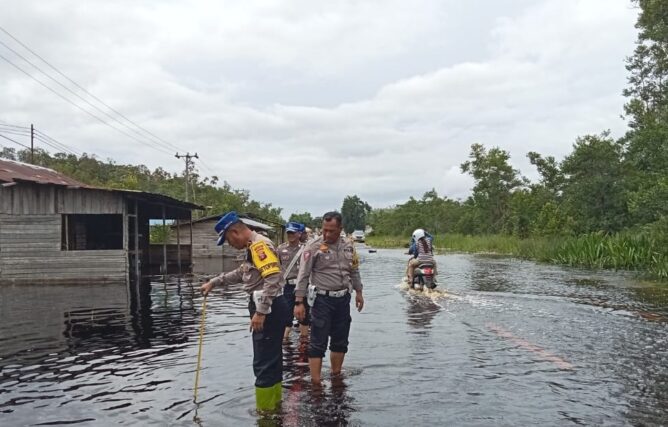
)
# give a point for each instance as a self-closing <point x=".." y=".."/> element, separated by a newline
<point x="289" y="254"/>
<point x="332" y="267"/>
<point x="260" y="275"/>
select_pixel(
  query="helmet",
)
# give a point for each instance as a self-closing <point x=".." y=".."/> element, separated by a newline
<point x="418" y="234"/>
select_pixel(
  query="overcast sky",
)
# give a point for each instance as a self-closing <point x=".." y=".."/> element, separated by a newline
<point x="304" y="102"/>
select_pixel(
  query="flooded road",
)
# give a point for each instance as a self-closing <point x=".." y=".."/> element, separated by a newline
<point x="502" y="342"/>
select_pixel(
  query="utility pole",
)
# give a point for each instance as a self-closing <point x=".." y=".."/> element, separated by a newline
<point x="32" y="144"/>
<point x="187" y="156"/>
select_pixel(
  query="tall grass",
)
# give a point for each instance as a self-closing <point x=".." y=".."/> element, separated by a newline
<point x="638" y="252"/>
<point x="624" y="251"/>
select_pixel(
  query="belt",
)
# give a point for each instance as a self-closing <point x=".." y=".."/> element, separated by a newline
<point x="334" y="294"/>
<point x="290" y="281"/>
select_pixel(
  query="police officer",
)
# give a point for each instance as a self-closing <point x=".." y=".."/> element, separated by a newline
<point x="260" y="275"/>
<point x="332" y="267"/>
<point x="307" y="235"/>
<point x="289" y="254"/>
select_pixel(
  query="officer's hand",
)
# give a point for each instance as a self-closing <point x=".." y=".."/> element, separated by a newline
<point x="300" y="312"/>
<point x="257" y="322"/>
<point x="359" y="300"/>
<point x="206" y="288"/>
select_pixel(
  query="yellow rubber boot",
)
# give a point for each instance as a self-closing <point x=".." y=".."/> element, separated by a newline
<point x="268" y="398"/>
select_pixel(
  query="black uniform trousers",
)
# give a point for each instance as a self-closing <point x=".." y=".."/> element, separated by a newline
<point x="268" y="344"/>
<point x="330" y="318"/>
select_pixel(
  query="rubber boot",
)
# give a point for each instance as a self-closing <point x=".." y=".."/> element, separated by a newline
<point x="268" y="398"/>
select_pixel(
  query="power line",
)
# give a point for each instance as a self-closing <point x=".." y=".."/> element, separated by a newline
<point x="14" y="141"/>
<point x="14" y="126"/>
<point x="159" y="148"/>
<point x="18" y="132"/>
<point x="152" y="141"/>
<point x="43" y="140"/>
<point x="207" y="167"/>
<point x="42" y="136"/>
<point x="46" y="139"/>
<point x="76" y="94"/>
<point x="59" y="147"/>
<point x="83" y="89"/>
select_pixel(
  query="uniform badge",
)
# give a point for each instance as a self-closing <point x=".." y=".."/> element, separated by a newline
<point x="264" y="259"/>
<point x="261" y="254"/>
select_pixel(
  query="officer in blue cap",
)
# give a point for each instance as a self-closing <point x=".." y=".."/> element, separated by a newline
<point x="289" y="254"/>
<point x="260" y="273"/>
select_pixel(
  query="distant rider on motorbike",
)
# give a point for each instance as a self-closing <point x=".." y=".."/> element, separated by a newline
<point x="422" y="250"/>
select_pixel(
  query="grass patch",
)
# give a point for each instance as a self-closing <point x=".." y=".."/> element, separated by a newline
<point x="624" y="251"/>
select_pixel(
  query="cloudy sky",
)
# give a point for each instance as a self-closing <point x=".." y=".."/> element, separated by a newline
<point x="304" y="102"/>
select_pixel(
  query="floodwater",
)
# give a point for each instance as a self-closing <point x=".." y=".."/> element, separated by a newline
<point x="503" y="342"/>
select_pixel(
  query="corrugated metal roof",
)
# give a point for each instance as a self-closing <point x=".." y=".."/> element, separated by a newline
<point x="255" y="224"/>
<point x="11" y="171"/>
<point x="249" y="222"/>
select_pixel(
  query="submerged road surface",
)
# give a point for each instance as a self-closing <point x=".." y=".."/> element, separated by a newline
<point x="500" y="342"/>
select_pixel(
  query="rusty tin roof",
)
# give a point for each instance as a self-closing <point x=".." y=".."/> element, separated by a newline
<point x="11" y="171"/>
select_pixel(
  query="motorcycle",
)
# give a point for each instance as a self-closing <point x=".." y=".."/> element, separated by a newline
<point x="423" y="276"/>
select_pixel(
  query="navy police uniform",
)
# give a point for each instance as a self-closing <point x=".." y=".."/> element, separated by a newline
<point x="333" y="272"/>
<point x="286" y="254"/>
<point x="260" y="275"/>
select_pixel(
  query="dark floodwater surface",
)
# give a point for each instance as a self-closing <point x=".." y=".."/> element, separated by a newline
<point x="509" y="343"/>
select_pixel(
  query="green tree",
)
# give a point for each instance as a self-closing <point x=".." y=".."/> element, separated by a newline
<point x="107" y="174"/>
<point x="495" y="180"/>
<point x="646" y="143"/>
<point x="551" y="177"/>
<point x="159" y="233"/>
<point x="354" y="212"/>
<point x="304" y="218"/>
<point x="593" y="192"/>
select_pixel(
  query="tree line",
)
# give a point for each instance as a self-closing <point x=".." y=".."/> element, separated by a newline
<point x="204" y="191"/>
<point x="604" y="185"/>
<point x="605" y="204"/>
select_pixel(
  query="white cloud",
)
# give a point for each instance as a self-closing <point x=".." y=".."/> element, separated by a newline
<point x="320" y="100"/>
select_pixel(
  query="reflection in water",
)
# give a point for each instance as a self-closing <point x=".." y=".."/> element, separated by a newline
<point x="304" y="404"/>
<point x="420" y="311"/>
<point x="113" y="354"/>
<point x="84" y="342"/>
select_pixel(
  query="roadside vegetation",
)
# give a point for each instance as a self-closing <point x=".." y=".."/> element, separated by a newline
<point x="605" y="205"/>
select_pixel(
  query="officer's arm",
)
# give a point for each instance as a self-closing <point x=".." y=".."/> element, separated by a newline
<point x="355" y="277"/>
<point x="228" y="278"/>
<point x="272" y="287"/>
<point x="304" y="275"/>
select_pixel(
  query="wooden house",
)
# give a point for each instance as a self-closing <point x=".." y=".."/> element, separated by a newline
<point x="54" y="229"/>
<point x="207" y="256"/>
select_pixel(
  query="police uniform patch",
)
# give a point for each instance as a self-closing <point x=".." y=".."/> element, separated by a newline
<point x="264" y="259"/>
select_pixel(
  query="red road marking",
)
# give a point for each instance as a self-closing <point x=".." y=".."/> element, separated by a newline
<point x="521" y="342"/>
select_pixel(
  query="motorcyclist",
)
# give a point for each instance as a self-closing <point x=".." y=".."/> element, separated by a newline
<point x="412" y="246"/>
<point x="422" y="252"/>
